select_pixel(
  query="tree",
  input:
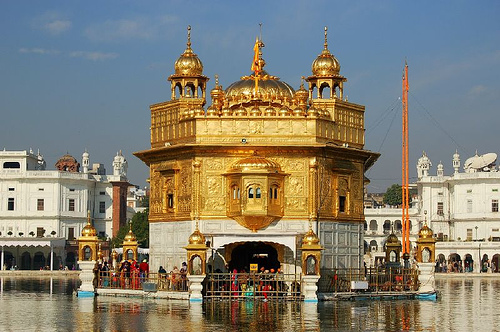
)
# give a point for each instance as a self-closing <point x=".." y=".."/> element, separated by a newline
<point x="393" y="196"/>
<point x="140" y="228"/>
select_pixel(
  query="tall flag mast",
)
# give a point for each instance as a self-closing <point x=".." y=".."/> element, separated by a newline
<point x="405" y="174"/>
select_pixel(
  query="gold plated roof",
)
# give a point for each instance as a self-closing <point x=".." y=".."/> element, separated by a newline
<point x="325" y="64"/>
<point x="269" y="88"/>
<point x="188" y="63"/>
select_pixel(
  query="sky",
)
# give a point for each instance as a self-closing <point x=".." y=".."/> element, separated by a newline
<point x="78" y="75"/>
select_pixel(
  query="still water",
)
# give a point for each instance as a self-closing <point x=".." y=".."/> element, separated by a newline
<point x="48" y="304"/>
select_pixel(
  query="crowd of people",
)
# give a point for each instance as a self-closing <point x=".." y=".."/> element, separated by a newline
<point x="459" y="266"/>
<point x="266" y="283"/>
<point x="127" y="274"/>
<point x="175" y="280"/>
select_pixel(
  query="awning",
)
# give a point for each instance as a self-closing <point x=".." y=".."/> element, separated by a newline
<point x="32" y="242"/>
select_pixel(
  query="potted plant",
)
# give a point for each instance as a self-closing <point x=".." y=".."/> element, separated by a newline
<point x="32" y="233"/>
<point x="21" y="233"/>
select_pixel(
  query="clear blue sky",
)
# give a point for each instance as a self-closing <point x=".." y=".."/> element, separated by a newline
<point x="82" y="74"/>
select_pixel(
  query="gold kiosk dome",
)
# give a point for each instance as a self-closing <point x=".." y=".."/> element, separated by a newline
<point x="197" y="238"/>
<point x="88" y="242"/>
<point x="425" y="232"/>
<point x="310" y="239"/>
<point x="392" y="239"/>
<point x="130" y="245"/>
<point x="89" y="230"/>
<point x="426" y="245"/>
<point x="196" y="252"/>
<point x="311" y="253"/>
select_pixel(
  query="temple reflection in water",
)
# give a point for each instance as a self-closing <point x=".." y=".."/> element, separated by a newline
<point x="256" y="168"/>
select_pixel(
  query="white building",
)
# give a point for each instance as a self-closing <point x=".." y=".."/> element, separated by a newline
<point x="461" y="209"/>
<point x="43" y="211"/>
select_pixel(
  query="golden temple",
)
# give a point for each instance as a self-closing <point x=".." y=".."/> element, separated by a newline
<point x="257" y="166"/>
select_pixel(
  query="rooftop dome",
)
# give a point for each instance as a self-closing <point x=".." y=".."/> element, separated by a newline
<point x="188" y="63"/>
<point x="67" y="163"/>
<point x="269" y="88"/>
<point x="325" y="64"/>
<point x="256" y="163"/>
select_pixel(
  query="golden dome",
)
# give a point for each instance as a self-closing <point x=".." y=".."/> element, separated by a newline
<point x="269" y="88"/>
<point x="325" y="64"/>
<point x="197" y="237"/>
<point x="425" y="232"/>
<point x="130" y="237"/>
<point x="89" y="230"/>
<point x="188" y="63"/>
<point x="310" y="239"/>
<point x="256" y="163"/>
<point x="392" y="239"/>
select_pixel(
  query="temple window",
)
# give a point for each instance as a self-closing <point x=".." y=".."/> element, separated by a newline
<point x="342" y="200"/>
<point x="170" y="200"/>
<point x="250" y="192"/>
<point x="257" y="193"/>
<point x="236" y="193"/>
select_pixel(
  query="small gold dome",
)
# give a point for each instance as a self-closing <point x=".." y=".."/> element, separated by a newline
<point x="301" y="94"/>
<point x="256" y="163"/>
<point x="270" y="111"/>
<point x="325" y="64"/>
<point x="188" y="63"/>
<point x="310" y="239"/>
<point x="130" y="237"/>
<point x="425" y="232"/>
<point x="392" y="239"/>
<point x="197" y="237"/>
<point x="89" y="230"/>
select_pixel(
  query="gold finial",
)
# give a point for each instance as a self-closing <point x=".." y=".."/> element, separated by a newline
<point x="302" y="78"/>
<point x="88" y="217"/>
<point x="189" y="36"/>
<point x="216" y="80"/>
<point x="326" y="38"/>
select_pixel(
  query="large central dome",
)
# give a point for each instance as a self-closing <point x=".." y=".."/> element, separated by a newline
<point x="269" y="87"/>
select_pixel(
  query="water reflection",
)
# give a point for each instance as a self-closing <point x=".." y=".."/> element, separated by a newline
<point x="48" y="304"/>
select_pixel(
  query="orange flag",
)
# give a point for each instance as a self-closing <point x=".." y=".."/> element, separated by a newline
<point x="255" y="66"/>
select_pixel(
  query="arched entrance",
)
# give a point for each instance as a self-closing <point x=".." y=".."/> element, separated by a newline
<point x="468" y="263"/>
<point x="38" y="261"/>
<point x="494" y="263"/>
<point x="265" y="255"/>
<point x="26" y="261"/>
<point x="8" y="260"/>
<point x="70" y="260"/>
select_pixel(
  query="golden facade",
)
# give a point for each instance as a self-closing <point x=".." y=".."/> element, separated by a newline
<point x="261" y="153"/>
